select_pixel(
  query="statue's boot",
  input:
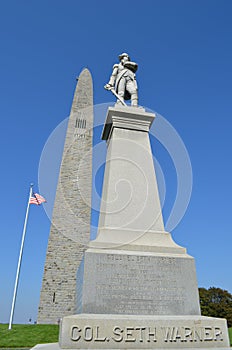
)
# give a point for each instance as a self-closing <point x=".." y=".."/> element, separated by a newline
<point x="134" y="99"/>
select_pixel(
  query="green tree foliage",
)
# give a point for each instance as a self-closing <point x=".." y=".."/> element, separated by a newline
<point x="216" y="302"/>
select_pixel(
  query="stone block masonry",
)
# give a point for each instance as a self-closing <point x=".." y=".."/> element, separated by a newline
<point x="70" y="228"/>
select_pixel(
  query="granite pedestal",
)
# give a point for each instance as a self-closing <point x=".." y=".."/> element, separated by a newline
<point x="137" y="283"/>
<point x="136" y="288"/>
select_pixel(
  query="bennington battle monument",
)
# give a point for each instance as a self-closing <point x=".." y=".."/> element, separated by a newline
<point x="132" y="287"/>
<point x="68" y="238"/>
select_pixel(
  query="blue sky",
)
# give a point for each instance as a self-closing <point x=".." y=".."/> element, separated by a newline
<point x="184" y="52"/>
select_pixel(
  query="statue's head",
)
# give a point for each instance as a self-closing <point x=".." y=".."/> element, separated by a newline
<point x="124" y="57"/>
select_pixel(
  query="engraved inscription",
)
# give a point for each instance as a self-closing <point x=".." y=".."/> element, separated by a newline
<point x="117" y="331"/>
<point x="194" y="334"/>
<point x="135" y="284"/>
<point x="88" y="333"/>
<point x="75" y="333"/>
<point x="149" y="334"/>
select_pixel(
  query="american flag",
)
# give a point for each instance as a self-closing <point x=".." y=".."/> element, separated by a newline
<point x="37" y="199"/>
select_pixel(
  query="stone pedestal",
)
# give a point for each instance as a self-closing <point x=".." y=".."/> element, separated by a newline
<point x="133" y="266"/>
<point x="137" y="283"/>
<point x="91" y="331"/>
<point x="130" y="198"/>
<point x="136" y="288"/>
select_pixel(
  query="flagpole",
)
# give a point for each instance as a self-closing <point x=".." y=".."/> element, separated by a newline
<point x="19" y="260"/>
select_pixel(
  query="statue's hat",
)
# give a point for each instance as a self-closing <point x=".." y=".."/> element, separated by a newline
<point x="123" y="55"/>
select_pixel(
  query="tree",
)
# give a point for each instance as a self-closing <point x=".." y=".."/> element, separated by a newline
<point x="216" y="302"/>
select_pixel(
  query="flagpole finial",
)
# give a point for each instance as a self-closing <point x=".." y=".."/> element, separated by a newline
<point x="31" y="184"/>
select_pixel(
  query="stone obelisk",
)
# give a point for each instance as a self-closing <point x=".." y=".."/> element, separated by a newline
<point x="70" y="227"/>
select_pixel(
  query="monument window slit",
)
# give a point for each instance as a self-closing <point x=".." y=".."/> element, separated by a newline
<point x="80" y="123"/>
<point x="54" y="297"/>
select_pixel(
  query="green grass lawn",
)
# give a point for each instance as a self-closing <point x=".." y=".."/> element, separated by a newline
<point x="27" y="336"/>
<point x="230" y="335"/>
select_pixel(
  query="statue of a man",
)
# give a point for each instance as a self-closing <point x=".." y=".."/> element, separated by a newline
<point x="123" y="80"/>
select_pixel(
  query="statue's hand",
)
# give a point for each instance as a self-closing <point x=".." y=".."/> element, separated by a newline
<point x="108" y="87"/>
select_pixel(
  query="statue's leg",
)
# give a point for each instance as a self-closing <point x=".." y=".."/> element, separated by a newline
<point x="121" y="89"/>
<point x="134" y="99"/>
<point x="131" y="88"/>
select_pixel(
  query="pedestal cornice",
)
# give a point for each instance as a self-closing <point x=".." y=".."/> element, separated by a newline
<point x="131" y="118"/>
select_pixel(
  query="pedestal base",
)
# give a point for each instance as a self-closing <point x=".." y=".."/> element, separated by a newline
<point x="137" y="283"/>
<point x="91" y="331"/>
